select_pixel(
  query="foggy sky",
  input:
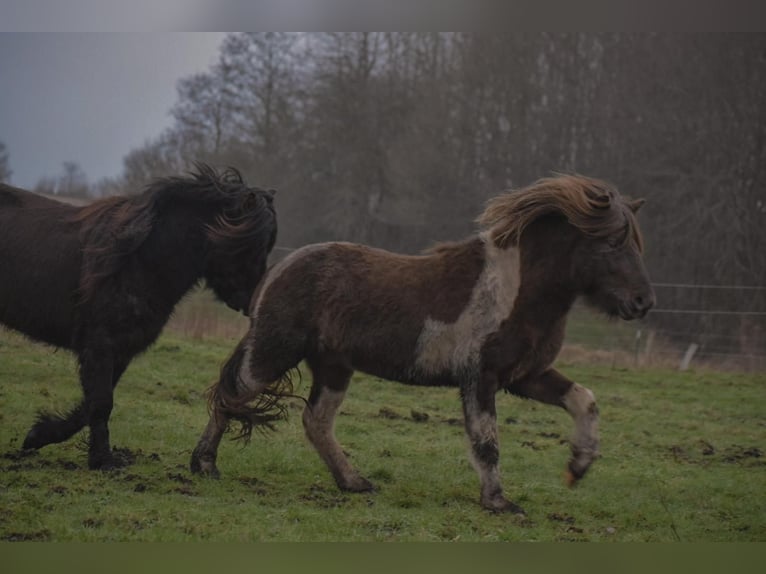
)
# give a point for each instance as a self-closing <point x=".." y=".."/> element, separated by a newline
<point x="91" y="97"/>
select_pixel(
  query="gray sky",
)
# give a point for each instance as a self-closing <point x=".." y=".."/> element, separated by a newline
<point x="90" y="97"/>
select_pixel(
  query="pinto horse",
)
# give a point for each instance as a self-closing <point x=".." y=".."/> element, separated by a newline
<point x="485" y="314"/>
<point x="102" y="280"/>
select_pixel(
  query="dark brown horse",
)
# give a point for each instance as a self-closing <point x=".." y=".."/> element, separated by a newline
<point x="103" y="279"/>
<point x="484" y="314"/>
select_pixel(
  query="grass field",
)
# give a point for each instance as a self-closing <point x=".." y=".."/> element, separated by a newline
<point x="682" y="460"/>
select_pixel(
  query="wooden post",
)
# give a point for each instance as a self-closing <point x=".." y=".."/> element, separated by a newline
<point x="688" y="356"/>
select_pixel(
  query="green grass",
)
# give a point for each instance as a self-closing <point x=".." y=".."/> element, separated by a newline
<point x="682" y="460"/>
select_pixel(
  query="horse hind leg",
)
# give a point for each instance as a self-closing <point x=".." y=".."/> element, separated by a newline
<point x="55" y="428"/>
<point x="327" y="393"/>
<point x="230" y="398"/>
<point x="554" y="388"/>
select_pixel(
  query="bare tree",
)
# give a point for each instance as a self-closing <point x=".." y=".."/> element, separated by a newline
<point x="73" y="182"/>
<point x="397" y="139"/>
<point x="5" y="168"/>
<point x="201" y="113"/>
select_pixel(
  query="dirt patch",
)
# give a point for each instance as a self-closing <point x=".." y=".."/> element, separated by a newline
<point x="92" y="523"/>
<point x="704" y="453"/>
<point x="38" y="536"/>
<point x="254" y="485"/>
<point x="386" y="413"/>
<point x="177" y="477"/>
<point x="557" y="517"/>
<point x="124" y="456"/>
<point x="739" y="454"/>
<point x="419" y="417"/>
<point x="185" y="490"/>
<point x="321" y="497"/>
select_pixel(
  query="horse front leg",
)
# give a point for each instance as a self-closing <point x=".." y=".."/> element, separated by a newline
<point x="481" y="428"/>
<point x="96" y="376"/>
<point x="553" y="388"/>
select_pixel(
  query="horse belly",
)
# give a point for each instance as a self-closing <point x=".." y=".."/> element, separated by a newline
<point x="41" y="321"/>
<point x="37" y="295"/>
<point x="398" y="369"/>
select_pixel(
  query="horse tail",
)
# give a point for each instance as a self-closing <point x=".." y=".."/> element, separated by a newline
<point x="252" y="409"/>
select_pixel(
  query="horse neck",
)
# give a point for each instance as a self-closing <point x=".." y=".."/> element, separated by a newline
<point x="175" y="253"/>
<point x="548" y="289"/>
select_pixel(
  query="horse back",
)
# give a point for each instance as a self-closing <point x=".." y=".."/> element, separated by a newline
<point x="40" y="261"/>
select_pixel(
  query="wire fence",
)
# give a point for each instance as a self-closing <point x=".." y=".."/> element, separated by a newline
<point x="705" y="334"/>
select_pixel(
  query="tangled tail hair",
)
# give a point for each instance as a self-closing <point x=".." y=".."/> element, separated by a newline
<point x="251" y="412"/>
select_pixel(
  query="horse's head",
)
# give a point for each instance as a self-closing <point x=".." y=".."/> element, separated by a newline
<point x="240" y="239"/>
<point x="611" y="270"/>
<point x="586" y="231"/>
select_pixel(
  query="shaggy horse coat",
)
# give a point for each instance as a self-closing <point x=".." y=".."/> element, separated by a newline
<point x="102" y="280"/>
<point x="483" y="315"/>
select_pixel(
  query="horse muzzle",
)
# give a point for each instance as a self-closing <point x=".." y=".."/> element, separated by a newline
<point x="637" y="307"/>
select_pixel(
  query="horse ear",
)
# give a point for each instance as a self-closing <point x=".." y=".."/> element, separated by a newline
<point x="251" y="201"/>
<point x="636" y="204"/>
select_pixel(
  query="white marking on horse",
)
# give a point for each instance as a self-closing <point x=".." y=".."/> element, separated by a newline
<point x="451" y="347"/>
<point x="580" y="402"/>
<point x="246" y="383"/>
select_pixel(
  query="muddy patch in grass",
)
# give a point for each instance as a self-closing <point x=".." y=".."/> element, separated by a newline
<point x="185" y="482"/>
<point x="36" y="536"/>
<point x="24" y="461"/>
<point x="254" y="485"/>
<point x="703" y="452"/>
<point x="320" y="496"/>
<point x="386" y="413"/>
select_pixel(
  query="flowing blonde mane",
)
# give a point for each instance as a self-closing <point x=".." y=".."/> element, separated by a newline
<point x="591" y="205"/>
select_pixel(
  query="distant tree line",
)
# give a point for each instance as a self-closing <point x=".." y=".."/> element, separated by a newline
<point x="397" y="139"/>
<point x="71" y="182"/>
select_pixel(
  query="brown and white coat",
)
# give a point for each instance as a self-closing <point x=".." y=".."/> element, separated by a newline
<point x="483" y="315"/>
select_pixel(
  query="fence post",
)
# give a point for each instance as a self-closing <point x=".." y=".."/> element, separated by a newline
<point x="688" y="356"/>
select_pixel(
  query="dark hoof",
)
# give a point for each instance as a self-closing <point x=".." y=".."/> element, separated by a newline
<point x="101" y="463"/>
<point x="203" y="467"/>
<point x="358" y="484"/>
<point x="570" y="479"/>
<point x="574" y="473"/>
<point x="503" y="505"/>
<point x="116" y="459"/>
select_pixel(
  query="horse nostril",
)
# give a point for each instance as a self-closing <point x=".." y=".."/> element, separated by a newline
<point x="642" y="303"/>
